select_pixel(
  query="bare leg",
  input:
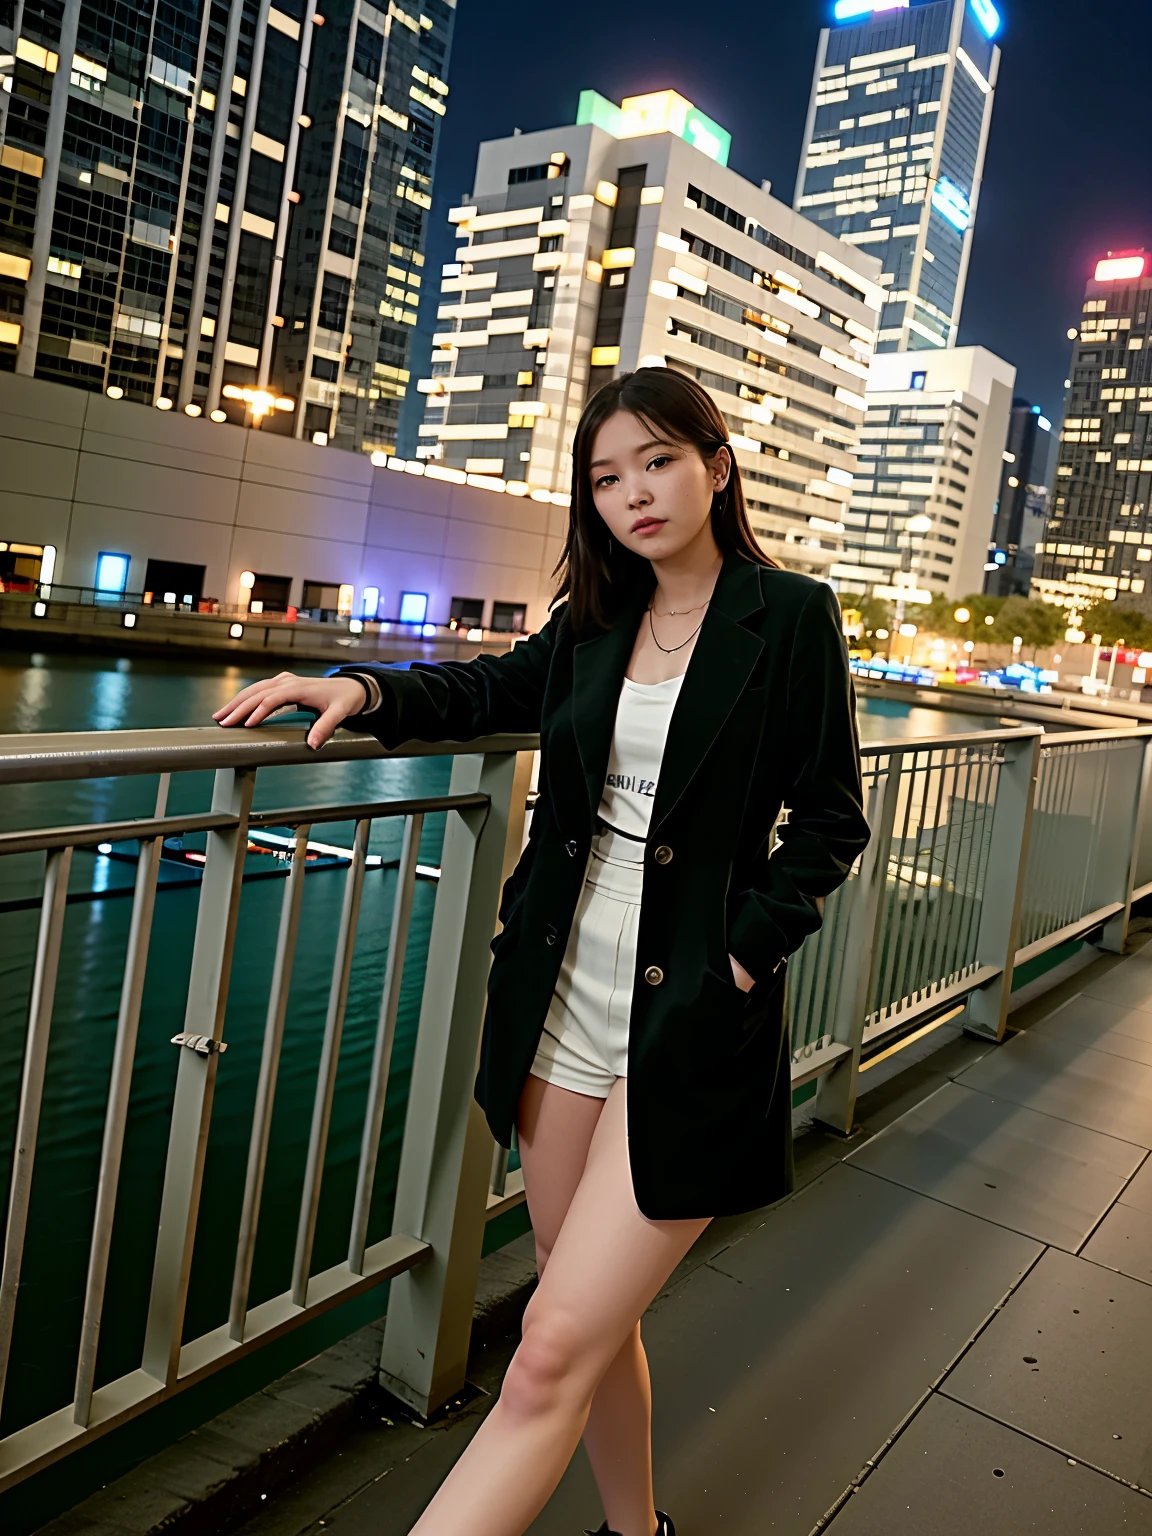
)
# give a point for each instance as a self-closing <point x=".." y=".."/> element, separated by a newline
<point x="555" y="1131"/>
<point x="607" y="1264"/>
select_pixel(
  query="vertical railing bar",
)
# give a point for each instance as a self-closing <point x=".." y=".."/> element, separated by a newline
<point x="498" y="1183"/>
<point x="986" y="779"/>
<point x="52" y="909"/>
<point x="162" y="788"/>
<point x="891" y="887"/>
<point x="116" y="1117"/>
<point x="888" y="893"/>
<point x="965" y="834"/>
<point x="1039" y="848"/>
<point x="931" y="905"/>
<point x="908" y="912"/>
<point x="329" y="1060"/>
<point x="945" y="907"/>
<point x="900" y="908"/>
<point x="385" y="1035"/>
<point x="1065" y="901"/>
<point x="920" y="980"/>
<point x="212" y="951"/>
<point x="279" y="991"/>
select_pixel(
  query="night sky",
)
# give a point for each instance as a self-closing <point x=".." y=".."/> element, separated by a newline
<point x="1069" y="168"/>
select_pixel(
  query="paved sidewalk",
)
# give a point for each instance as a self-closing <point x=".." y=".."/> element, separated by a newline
<point x="947" y="1330"/>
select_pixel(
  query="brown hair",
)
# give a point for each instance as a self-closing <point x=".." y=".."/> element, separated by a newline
<point x="595" y="571"/>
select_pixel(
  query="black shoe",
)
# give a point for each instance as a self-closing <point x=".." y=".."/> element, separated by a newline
<point x="664" y="1527"/>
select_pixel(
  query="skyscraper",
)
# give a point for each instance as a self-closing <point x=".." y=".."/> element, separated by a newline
<point x="1022" y="505"/>
<point x="1099" y="537"/>
<point x="221" y="207"/>
<point x="624" y="239"/>
<point x="894" y="150"/>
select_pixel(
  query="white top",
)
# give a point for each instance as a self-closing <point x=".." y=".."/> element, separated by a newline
<point x="642" y="719"/>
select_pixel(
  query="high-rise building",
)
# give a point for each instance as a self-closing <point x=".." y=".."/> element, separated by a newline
<point x="931" y="453"/>
<point x="894" y="150"/>
<point x="221" y="207"/>
<point x="1099" y="537"/>
<point x="1022" y="505"/>
<point x="623" y="240"/>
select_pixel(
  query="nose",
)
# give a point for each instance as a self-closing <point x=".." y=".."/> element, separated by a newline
<point x="638" y="496"/>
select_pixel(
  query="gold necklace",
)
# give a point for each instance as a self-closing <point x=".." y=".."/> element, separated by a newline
<point x="672" y="612"/>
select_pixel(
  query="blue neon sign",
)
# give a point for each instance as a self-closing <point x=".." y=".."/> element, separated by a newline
<point x="848" y="10"/>
<point x="951" y="204"/>
<point x="987" y="15"/>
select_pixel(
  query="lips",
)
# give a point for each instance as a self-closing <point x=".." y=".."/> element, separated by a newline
<point x="647" y="524"/>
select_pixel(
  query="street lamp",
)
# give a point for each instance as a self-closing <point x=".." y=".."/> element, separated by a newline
<point x="962" y="615"/>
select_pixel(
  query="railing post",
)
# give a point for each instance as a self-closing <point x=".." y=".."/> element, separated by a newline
<point x="836" y="1090"/>
<point x="998" y="938"/>
<point x="196" y="1074"/>
<point x="445" y="1163"/>
<point x="1115" y="932"/>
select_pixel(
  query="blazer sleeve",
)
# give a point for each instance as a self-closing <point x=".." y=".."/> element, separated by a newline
<point x="460" y="700"/>
<point x="826" y="829"/>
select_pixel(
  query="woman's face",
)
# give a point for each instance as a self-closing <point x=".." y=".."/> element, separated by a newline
<point x="655" y="495"/>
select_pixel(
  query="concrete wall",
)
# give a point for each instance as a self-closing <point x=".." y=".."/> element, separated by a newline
<point x="89" y="474"/>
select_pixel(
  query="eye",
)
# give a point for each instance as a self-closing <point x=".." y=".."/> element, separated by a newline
<point x="604" y="480"/>
<point x="659" y="461"/>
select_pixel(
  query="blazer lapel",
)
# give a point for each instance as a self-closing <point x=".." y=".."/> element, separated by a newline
<point x="721" y="663"/>
<point x="598" y="668"/>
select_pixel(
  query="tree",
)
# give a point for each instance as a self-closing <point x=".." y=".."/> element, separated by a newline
<point x="1113" y="624"/>
<point x="1036" y="623"/>
<point x="874" y="612"/>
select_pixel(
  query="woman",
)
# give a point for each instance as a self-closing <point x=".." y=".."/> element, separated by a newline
<point x="683" y="692"/>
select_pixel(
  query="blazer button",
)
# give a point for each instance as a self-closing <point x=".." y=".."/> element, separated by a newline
<point x="570" y="848"/>
<point x="663" y="855"/>
<point x="653" y="975"/>
<point x="550" y="933"/>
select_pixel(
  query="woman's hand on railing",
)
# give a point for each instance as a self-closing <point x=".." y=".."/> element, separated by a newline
<point x="334" y="698"/>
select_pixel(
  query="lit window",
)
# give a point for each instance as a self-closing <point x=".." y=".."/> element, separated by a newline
<point x="413" y="607"/>
<point x="112" y="572"/>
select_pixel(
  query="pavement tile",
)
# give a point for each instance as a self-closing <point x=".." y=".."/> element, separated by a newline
<point x="1123" y="1241"/>
<point x="1047" y="1178"/>
<point x="1126" y="983"/>
<point x="1066" y="1361"/>
<point x="783" y="1365"/>
<point x="953" y="1472"/>
<point x="1112" y="1027"/>
<point x="1071" y="1081"/>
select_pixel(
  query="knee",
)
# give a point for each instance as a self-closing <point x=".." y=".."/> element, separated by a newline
<point x="542" y="1373"/>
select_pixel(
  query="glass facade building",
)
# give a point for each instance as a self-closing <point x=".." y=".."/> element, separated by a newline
<point x="1099" y="537"/>
<point x="1022" y="506"/>
<point x="894" y="150"/>
<point x="221" y="207"/>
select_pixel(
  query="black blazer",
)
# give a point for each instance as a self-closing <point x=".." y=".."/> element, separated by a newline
<point x="765" y="718"/>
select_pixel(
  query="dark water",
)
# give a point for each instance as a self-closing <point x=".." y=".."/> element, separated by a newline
<point x="55" y="693"/>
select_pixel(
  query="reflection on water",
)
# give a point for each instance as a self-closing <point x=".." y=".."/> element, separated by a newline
<point x="58" y="693"/>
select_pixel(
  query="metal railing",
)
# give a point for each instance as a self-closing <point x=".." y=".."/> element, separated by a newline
<point x="442" y="1196"/>
<point x="987" y="850"/>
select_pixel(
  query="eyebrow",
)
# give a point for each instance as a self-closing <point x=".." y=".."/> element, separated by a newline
<point x="653" y="442"/>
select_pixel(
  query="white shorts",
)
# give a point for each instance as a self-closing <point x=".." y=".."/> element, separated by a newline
<point x="584" y="1044"/>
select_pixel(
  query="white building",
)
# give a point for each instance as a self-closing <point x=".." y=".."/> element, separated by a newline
<point x="931" y="455"/>
<point x="624" y="239"/>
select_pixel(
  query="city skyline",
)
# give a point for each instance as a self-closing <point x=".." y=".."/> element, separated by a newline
<point x="1050" y="201"/>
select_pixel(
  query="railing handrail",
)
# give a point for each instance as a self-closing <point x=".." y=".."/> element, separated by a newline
<point x="890" y="745"/>
<point x="52" y="755"/>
